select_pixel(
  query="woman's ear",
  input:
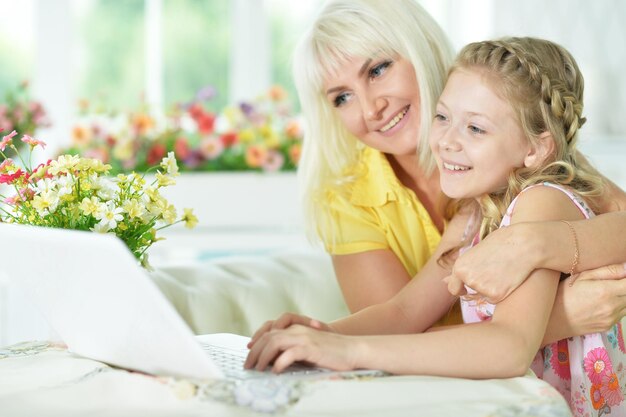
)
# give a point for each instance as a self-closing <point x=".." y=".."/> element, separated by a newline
<point x="540" y="150"/>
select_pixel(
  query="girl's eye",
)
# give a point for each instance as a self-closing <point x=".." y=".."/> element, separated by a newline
<point x="440" y="117"/>
<point x="475" y="129"/>
<point x="340" y="100"/>
<point x="379" y="69"/>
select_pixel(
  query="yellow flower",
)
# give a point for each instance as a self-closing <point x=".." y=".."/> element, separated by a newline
<point x="157" y="207"/>
<point x="266" y="131"/>
<point x="133" y="208"/>
<point x="63" y="164"/>
<point x="46" y="201"/>
<point x="89" y="206"/>
<point x="246" y="136"/>
<point x="169" y="213"/>
<point x="272" y="140"/>
<point x="123" y="150"/>
<point x="164" y="180"/>
<point x="189" y="218"/>
<point x="151" y="194"/>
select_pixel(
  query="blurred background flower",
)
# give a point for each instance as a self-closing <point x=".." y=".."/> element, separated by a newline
<point x="18" y="111"/>
<point x="257" y="135"/>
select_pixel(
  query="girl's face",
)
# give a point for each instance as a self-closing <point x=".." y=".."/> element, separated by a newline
<point x="476" y="138"/>
<point x="378" y="101"/>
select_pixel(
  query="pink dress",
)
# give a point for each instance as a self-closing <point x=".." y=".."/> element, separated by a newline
<point x="587" y="370"/>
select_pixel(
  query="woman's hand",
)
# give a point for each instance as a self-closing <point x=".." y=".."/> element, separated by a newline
<point x="301" y="343"/>
<point x="283" y="322"/>
<point x="594" y="303"/>
<point x="496" y="266"/>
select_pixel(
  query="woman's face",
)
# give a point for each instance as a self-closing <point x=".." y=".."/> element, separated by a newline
<point x="378" y="101"/>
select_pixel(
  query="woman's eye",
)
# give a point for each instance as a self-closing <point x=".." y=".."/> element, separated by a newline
<point x="340" y="100"/>
<point x="440" y="117"/>
<point x="378" y="70"/>
<point x="476" y="129"/>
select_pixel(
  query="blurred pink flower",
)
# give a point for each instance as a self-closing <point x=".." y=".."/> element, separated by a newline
<point x="33" y="142"/>
<point x="211" y="148"/>
<point x="274" y="161"/>
<point x="7" y="140"/>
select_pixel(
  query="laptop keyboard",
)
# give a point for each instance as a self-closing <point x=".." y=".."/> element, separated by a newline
<point x="230" y="362"/>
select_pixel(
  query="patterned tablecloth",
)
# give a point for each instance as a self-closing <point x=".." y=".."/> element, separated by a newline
<point x="44" y="379"/>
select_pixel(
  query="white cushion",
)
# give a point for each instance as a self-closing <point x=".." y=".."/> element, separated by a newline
<point x="237" y="294"/>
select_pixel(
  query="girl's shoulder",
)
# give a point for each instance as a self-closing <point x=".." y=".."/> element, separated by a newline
<point x="546" y="195"/>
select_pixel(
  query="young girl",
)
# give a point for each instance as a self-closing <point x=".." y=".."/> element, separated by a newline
<point x="504" y="138"/>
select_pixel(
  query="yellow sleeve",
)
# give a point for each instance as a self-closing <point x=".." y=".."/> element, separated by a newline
<point x="346" y="228"/>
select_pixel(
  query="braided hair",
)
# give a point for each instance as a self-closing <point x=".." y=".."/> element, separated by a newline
<point x="544" y="86"/>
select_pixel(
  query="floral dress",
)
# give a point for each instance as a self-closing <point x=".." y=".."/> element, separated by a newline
<point x="587" y="370"/>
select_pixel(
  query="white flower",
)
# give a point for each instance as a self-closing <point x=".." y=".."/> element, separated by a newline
<point x="109" y="214"/>
<point x="188" y="124"/>
<point x="44" y="185"/>
<point x="169" y="164"/>
<point x="104" y="187"/>
<point x="66" y="185"/>
<point x="100" y="228"/>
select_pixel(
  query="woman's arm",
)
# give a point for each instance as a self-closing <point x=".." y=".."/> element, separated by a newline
<point x="507" y="256"/>
<point x="369" y="278"/>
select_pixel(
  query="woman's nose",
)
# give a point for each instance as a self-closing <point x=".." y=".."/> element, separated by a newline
<point x="373" y="108"/>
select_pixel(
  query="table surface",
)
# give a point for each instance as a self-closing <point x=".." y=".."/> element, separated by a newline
<point x="43" y="378"/>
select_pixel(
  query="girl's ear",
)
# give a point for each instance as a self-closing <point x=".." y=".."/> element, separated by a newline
<point x="539" y="152"/>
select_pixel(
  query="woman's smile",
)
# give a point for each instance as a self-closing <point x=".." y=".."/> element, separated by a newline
<point x="396" y="123"/>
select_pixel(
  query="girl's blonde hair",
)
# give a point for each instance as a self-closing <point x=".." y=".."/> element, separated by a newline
<point x="544" y="86"/>
<point x="359" y="28"/>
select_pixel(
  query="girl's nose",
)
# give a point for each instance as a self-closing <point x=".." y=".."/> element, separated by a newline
<point x="448" y="141"/>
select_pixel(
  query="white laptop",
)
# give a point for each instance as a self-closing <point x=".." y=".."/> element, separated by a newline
<point x="104" y="306"/>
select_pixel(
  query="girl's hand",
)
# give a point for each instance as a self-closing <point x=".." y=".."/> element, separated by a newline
<point x="284" y="321"/>
<point x="595" y="302"/>
<point x="301" y="343"/>
<point x="495" y="267"/>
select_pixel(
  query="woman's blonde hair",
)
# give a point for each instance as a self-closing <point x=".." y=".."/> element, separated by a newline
<point x="360" y="28"/>
<point x="544" y="86"/>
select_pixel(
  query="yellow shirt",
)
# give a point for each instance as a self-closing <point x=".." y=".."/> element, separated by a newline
<point x="378" y="212"/>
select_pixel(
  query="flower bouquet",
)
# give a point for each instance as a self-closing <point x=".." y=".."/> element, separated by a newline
<point x="19" y="112"/>
<point x="261" y="135"/>
<point x="75" y="193"/>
